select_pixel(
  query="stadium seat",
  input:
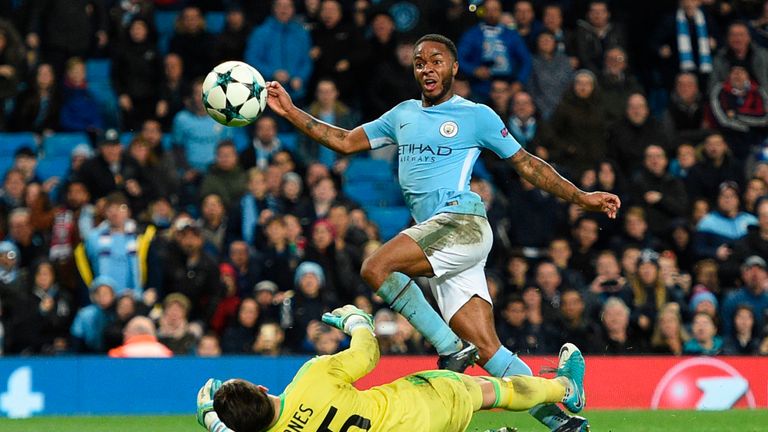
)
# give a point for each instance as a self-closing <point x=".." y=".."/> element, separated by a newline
<point x="165" y="22"/>
<point x="390" y="220"/>
<point x="52" y="167"/>
<point x="215" y="22"/>
<point x="98" y="70"/>
<point x="240" y="137"/>
<point x="61" y="144"/>
<point x="126" y="138"/>
<point x="6" y="162"/>
<point x="374" y="193"/>
<point x="10" y="142"/>
<point x="365" y="169"/>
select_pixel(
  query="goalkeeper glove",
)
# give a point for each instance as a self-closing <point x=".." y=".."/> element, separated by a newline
<point x="348" y="318"/>
<point x="205" y="399"/>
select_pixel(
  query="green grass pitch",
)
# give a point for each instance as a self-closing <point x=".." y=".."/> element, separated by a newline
<point x="602" y="421"/>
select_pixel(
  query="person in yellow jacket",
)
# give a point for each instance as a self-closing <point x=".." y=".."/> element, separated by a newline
<point x="321" y="396"/>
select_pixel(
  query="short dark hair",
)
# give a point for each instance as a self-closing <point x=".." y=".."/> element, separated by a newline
<point x="434" y="37"/>
<point x="243" y="407"/>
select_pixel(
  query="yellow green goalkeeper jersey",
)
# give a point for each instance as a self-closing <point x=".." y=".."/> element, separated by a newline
<point x="321" y="397"/>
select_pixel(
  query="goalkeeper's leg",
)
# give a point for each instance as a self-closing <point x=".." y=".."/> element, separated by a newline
<point x="517" y="392"/>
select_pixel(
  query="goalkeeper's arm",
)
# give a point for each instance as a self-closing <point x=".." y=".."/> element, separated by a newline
<point x="213" y="424"/>
<point x="363" y="353"/>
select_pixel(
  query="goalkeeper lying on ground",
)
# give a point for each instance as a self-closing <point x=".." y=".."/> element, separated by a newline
<point x="321" y="396"/>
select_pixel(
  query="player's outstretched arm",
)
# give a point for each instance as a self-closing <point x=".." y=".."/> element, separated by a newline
<point x="363" y="353"/>
<point x="335" y="138"/>
<point x="543" y="176"/>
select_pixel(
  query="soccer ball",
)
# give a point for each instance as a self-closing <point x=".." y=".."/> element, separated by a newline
<point x="234" y="94"/>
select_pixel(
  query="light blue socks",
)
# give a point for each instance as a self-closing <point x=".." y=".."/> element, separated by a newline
<point x="406" y="298"/>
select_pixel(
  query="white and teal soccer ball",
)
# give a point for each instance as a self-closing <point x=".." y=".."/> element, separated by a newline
<point x="234" y="94"/>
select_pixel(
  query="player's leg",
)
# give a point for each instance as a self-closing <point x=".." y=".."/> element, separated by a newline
<point x="388" y="270"/>
<point x="520" y="392"/>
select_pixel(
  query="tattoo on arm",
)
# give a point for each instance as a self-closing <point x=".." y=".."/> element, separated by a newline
<point x="543" y="176"/>
<point x="330" y="136"/>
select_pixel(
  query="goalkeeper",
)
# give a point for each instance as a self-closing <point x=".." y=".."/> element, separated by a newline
<point x="321" y="396"/>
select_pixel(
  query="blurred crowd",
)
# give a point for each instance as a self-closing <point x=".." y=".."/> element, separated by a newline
<point x="183" y="241"/>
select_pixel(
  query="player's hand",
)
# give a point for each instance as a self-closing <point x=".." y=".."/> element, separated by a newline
<point x="348" y="318"/>
<point x="205" y="399"/>
<point x="601" y="202"/>
<point x="278" y="99"/>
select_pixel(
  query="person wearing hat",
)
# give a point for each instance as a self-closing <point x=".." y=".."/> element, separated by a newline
<point x="310" y="300"/>
<point x="88" y="327"/>
<point x="754" y="292"/>
<point x="110" y="170"/>
<point x="717" y="231"/>
<point x="703" y="301"/>
<point x="265" y="293"/>
<point x="118" y="249"/>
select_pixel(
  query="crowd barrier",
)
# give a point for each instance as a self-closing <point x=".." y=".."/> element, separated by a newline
<point x="96" y="385"/>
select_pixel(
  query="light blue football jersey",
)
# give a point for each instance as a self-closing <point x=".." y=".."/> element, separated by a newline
<point x="437" y="147"/>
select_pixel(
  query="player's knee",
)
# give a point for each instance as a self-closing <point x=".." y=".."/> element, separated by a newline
<point x="373" y="272"/>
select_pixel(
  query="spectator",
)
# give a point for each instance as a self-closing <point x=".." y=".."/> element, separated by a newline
<point x="578" y="126"/>
<point x="208" y="346"/>
<point x="551" y="75"/>
<point x="12" y="193"/>
<point x="37" y="106"/>
<point x="595" y="36"/>
<point x="684" y="117"/>
<point x="524" y="124"/>
<point x="46" y="312"/>
<point x="247" y="271"/>
<point x="756" y="240"/>
<point x="226" y="310"/>
<point x="337" y="260"/>
<point x="79" y="110"/>
<point x="329" y="109"/>
<point x="143" y="188"/>
<point x="71" y="222"/>
<point x="140" y="341"/>
<point x="111" y="170"/>
<point x="717" y="166"/>
<point x="756" y="189"/>
<point x="552" y="20"/>
<point x="264" y="146"/>
<point x="269" y="300"/>
<point x="703" y="301"/>
<point x="516" y="333"/>
<point x="269" y="341"/>
<point x="350" y="235"/>
<point x="537" y="210"/>
<point x="550" y="284"/>
<point x="717" y="231"/>
<point x="12" y="65"/>
<point x="392" y="81"/>
<point x="758" y="27"/>
<point x="116" y="248"/>
<point x="574" y="324"/>
<point x="193" y="43"/>
<point x="705" y="340"/>
<point x="190" y="271"/>
<point x="338" y="50"/>
<point x="173" y="90"/>
<point x="87" y="329"/>
<point x="739" y="49"/>
<point x="136" y="73"/>
<point x="286" y="59"/>
<point x="214" y="225"/>
<point x="617" y="84"/>
<point x="630" y="137"/>
<point x="291" y="189"/>
<point x="382" y="43"/>
<point x="323" y="194"/>
<point x="123" y="13"/>
<point x="608" y="283"/>
<point x="125" y="310"/>
<point x="740" y="109"/>
<point x="277" y="258"/>
<point x="669" y="335"/>
<point x="159" y="168"/>
<point x="31" y="243"/>
<point x="195" y="135"/>
<point x="662" y="196"/>
<point x="684" y="41"/>
<point x="240" y="336"/>
<point x="311" y="300"/>
<point x="753" y="293"/>
<point x="585" y="237"/>
<point x="681" y="166"/>
<point x="66" y="28"/>
<point x="491" y="50"/>
<point x="650" y="293"/>
<point x="174" y="329"/>
<point x="40" y="208"/>
<point x="225" y="178"/>
<point x="255" y="208"/>
<point x="618" y="336"/>
<point x="743" y="339"/>
<point x="230" y="44"/>
<point x="526" y="24"/>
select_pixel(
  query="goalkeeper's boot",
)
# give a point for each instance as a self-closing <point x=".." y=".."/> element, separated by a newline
<point x="574" y="424"/>
<point x="461" y="359"/>
<point x="503" y="429"/>
<point x="571" y="365"/>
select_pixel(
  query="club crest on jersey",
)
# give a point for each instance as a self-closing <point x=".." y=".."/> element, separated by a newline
<point x="449" y="129"/>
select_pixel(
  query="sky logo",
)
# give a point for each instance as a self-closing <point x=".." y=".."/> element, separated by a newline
<point x="19" y="401"/>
